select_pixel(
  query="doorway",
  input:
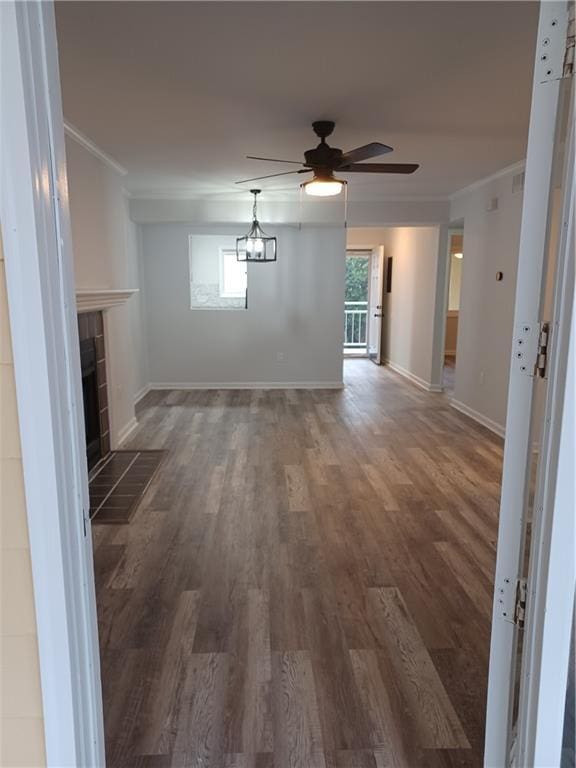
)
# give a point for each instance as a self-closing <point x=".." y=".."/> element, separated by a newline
<point x="455" y="265"/>
<point x="356" y="296"/>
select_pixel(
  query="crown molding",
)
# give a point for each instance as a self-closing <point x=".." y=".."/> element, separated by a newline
<point x="102" y="298"/>
<point x="515" y="167"/>
<point x="275" y="197"/>
<point x="89" y="145"/>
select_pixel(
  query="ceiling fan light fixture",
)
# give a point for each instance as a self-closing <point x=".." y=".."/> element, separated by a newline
<point x="323" y="185"/>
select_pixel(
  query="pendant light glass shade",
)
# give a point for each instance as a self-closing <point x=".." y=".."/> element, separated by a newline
<point x="256" y="245"/>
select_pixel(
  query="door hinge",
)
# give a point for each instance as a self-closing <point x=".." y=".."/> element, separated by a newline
<point x="520" y="603"/>
<point x="555" y="58"/>
<point x="531" y="348"/>
<point x="542" y="351"/>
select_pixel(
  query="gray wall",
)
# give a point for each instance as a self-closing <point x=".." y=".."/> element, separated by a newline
<point x="292" y="331"/>
<point x="485" y="326"/>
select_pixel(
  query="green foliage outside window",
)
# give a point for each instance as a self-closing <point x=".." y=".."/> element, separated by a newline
<point x="357" y="278"/>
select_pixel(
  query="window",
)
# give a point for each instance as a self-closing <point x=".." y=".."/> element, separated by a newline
<point x="217" y="279"/>
<point x="232" y="275"/>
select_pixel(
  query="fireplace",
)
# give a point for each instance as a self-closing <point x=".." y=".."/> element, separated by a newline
<point x="94" y="386"/>
<point x="90" y="398"/>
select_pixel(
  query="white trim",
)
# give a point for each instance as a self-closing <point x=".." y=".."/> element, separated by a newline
<point x="89" y="145"/>
<point x="422" y="383"/>
<point x="141" y="393"/>
<point x="247" y="385"/>
<point x="102" y="298"/>
<point x="522" y="392"/>
<point x="441" y="292"/>
<point x="493" y="426"/>
<point x="514" y="168"/>
<point x="551" y="576"/>
<point x="127" y="430"/>
<point x="40" y="284"/>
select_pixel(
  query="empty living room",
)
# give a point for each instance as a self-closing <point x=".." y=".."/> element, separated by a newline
<point x="287" y="384"/>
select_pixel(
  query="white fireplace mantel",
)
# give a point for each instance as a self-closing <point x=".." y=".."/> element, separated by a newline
<point x="102" y="298"/>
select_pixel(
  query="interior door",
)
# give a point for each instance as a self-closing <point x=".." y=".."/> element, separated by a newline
<point x="538" y="322"/>
<point x="376" y="306"/>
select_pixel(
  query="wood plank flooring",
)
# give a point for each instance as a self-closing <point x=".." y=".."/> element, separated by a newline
<point x="307" y="583"/>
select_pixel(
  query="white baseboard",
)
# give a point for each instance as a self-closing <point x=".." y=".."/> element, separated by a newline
<point x="247" y="385"/>
<point x="141" y="393"/>
<point x="493" y="426"/>
<point x="422" y="383"/>
<point x="126" y="431"/>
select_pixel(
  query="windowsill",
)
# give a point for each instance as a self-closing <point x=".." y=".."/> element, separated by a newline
<point x="218" y="309"/>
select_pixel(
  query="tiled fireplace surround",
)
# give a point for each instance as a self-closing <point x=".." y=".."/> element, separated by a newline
<point x="91" y="326"/>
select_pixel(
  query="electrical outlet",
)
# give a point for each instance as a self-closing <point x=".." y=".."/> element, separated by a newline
<point x="280" y="357"/>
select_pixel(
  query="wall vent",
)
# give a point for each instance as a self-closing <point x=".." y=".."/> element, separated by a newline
<point x="518" y="182"/>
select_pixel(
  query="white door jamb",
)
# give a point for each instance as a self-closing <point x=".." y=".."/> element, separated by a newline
<point x="40" y="284"/>
<point x="518" y="448"/>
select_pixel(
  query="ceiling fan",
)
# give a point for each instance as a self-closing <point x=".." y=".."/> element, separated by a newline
<point x="323" y="161"/>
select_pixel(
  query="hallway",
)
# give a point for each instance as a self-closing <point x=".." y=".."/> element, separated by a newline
<point x="307" y="583"/>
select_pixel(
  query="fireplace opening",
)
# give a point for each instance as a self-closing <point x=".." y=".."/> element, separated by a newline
<point x="91" y="402"/>
<point x="94" y="386"/>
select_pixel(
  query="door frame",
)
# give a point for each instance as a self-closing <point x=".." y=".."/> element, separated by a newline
<point x="453" y="229"/>
<point x="41" y="298"/>
<point x="370" y="250"/>
<point x="500" y="748"/>
<point x="551" y="577"/>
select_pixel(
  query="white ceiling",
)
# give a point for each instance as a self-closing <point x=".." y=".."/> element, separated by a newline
<point x="180" y="92"/>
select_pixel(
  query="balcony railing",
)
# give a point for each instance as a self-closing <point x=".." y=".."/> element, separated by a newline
<point x="355" y="320"/>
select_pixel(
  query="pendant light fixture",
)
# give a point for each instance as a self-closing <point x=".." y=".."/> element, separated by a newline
<point x="256" y="245"/>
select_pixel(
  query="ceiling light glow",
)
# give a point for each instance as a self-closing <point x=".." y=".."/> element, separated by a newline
<point x="323" y="188"/>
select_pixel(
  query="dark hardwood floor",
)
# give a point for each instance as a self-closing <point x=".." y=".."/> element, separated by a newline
<point x="307" y="583"/>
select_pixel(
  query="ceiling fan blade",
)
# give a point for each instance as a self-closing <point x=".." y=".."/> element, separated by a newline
<point x="273" y="160"/>
<point x="379" y="168"/>
<point x="365" y="153"/>
<point x="272" y="175"/>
